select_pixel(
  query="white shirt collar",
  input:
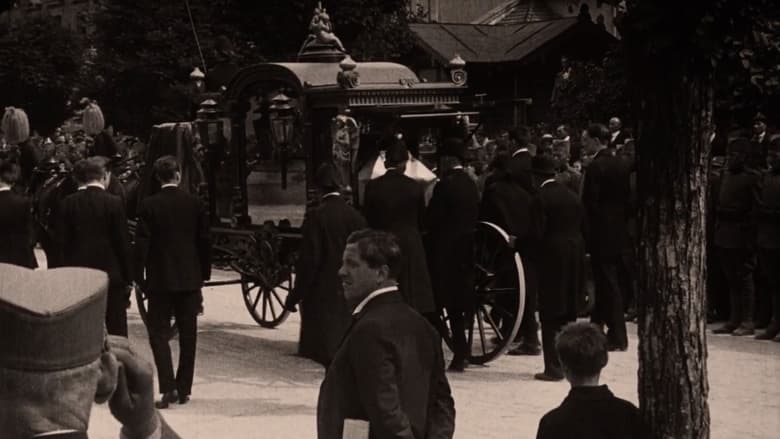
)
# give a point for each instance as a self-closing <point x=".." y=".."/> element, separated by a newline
<point x="373" y="294"/>
<point x="169" y="185"/>
<point x="457" y="167"/>
<point x="615" y="134"/>
<point x="5" y="188"/>
<point x="331" y="194"/>
<point x="52" y="433"/>
<point x="566" y="139"/>
<point x="519" y="151"/>
<point x="549" y="180"/>
<point x="761" y="136"/>
<point x="95" y="184"/>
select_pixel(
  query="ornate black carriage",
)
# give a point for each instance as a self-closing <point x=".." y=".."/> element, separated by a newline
<point x="285" y="119"/>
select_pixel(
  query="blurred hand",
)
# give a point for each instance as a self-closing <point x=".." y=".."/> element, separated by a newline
<point x="133" y="401"/>
<point x="512" y="241"/>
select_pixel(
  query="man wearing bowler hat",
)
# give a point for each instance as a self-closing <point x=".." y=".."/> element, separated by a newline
<point x="451" y="219"/>
<point x="325" y="315"/>
<point x="735" y="236"/>
<point x="55" y="359"/>
<point x="396" y="203"/>
<point x="558" y="219"/>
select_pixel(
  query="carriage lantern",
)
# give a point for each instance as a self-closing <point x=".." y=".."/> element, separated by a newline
<point x="282" y="118"/>
<point x="198" y="79"/>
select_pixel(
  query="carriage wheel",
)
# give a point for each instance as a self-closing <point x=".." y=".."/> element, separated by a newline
<point x="499" y="296"/>
<point x="142" y="302"/>
<point x="264" y="300"/>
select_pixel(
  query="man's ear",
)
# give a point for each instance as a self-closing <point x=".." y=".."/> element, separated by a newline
<point x="383" y="274"/>
<point x="109" y="369"/>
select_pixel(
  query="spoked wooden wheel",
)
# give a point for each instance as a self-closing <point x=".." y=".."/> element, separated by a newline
<point x="499" y="296"/>
<point x="266" y="288"/>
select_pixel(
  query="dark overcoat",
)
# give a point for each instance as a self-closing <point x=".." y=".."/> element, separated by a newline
<point x="172" y="243"/>
<point x="607" y="196"/>
<point x="735" y="208"/>
<point x="388" y="371"/>
<point x="92" y="232"/>
<point x="325" y="315"/>
<point x="559" y="220"/>
<point x="507" y="205"/>
<point x="16" y="230"/>
<point x="395" y="203"/>
<point x="591" y="413"/>
<point x="451" y="221"/>
<point x="768" y="211"/>
<point x="519" y="167"/>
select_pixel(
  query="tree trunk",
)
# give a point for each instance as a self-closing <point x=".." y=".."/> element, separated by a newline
<point x="674" y="115"/>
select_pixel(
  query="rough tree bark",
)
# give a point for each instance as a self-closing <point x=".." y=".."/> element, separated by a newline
<point x="675" y="113"/>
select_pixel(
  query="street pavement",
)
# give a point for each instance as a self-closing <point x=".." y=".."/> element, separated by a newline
<point x="250" y="384"/>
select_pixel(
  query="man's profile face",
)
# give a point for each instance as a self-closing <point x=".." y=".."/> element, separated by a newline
<point x="357" y="278"/>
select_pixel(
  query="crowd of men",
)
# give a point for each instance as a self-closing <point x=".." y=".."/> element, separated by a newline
<point x="370" y="283"/>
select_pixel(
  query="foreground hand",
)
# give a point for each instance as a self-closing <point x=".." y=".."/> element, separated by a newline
<point x="133" y="401"/>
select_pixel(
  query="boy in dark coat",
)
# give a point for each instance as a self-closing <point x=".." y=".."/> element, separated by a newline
<point x="590" y="411"/>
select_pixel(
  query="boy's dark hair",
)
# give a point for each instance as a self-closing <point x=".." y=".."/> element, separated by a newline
<point x="378" y="248"/>
<point x="165" y="168"/>
<point x="9" y="172"/>
<point x="582" y="348"/>
<point x="599" y="131"/>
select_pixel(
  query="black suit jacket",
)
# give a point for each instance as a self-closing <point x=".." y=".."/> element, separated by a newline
<point x="396" y="203"/>
<point x="16" y="230"/>
<point x="92" y="231"/>
<point x="172" y="242"/>
<point x="768" y="211"/>
<point x="452" y="218"/>
<point x="507" y="205"/>
<point x="619" y="140"/>
<point x="559" y="220"/>
<point x="735" y="225"/>
<point x="591" y="413"/>
<point x="607" y="198"/>
<point x="389" y="370"/>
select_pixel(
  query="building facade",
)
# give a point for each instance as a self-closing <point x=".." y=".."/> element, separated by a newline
<point x="68" y="12"/>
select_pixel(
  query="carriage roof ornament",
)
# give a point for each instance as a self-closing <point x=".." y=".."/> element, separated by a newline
<point x="322" y="44"/>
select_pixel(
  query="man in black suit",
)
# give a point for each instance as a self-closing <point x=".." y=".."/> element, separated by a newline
<point x="389" y="370"/>
<point x="172" y="261"/>
<point x="506" y="204"/>
<point x="452" y="218"/>
<point x="520" y="163"/>
<point x="617" y="135"/>
<point x="759" y="143"/>
<point x="396" y="203"/>
<point x="16" y="223"/>
<point x="768" y="236"/>
<point x="92" y="232"/>
<point x="325" y="315"/>
<point x="606" y="196"/>
<point x="558" y="217"/>
<point x="590" y="411"/>
<point x="735" y="230"/>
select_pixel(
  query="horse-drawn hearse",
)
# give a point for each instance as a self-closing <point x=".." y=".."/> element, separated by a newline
<point x="289" y="117"/>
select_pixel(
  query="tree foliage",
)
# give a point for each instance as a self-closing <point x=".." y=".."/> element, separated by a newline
<point x="41" y="64"/>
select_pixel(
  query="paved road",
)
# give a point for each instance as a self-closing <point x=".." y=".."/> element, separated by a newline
<point x="249" y="384"/>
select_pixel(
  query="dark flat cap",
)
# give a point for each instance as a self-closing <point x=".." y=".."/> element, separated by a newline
<point x="51" y="319"/>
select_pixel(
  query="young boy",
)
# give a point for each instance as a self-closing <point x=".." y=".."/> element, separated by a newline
<point x="590" y="410"/>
